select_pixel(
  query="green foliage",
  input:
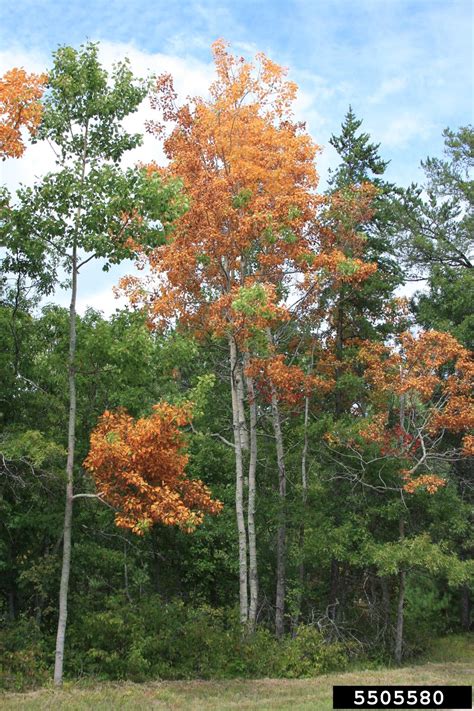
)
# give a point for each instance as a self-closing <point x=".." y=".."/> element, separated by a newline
<point x="430" y="611"/>
<point x="79" y="85"/>
<point x="308" y="654"/>
<point x="359" y="158"/>
<point x="201" y="392"/>
<point x="30" y="447"/>
<point x="251" y="300"/>
<point x="421" y="552"/>
<point x="22" y="657"/>
<point x="242" y="198"/>
<point x="90" y="203"/>
<point x="169" y="640"/>
<point x="437" y="241"/>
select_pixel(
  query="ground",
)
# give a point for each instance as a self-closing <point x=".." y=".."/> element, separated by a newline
<point x="451" y="664"/>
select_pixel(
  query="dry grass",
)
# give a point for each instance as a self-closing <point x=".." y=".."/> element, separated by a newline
<point x="265" y="694"/>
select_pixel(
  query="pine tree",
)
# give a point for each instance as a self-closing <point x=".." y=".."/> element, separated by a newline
<point x="365" y="312"/>
<point x="360" y="158"/>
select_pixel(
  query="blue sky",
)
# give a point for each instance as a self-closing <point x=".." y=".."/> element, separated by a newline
<point x="404" y="65"/>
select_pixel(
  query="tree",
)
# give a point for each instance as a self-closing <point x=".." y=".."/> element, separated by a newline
<point x="348" y="283"/>
<point x="437" y="244"/>
<point x="249" y="172"/>
<point x="358" y="313"/>
<point x="355" y="299"/>
<point x="88" y="209"/>
<point x="139" y="466"/>
<point x="20" y="107"/>
<point x="360" y="160"/>
<point x="417" y="424"/>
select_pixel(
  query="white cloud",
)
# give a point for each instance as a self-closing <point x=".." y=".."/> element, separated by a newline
<point x="402" y="129"/>
<point x="103" y="300"/>
<point x="16" y="56"/>
<point x="190" y="76"/>
<point x="387" y="88"/>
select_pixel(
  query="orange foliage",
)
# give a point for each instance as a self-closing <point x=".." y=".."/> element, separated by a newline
<point x="468" y="446"/>
<point x="336" y="245"/>
<point x="432" y="377"/>
<point x="289" y="381"/>
<point x="431" y="482"/>
<point x="248" y="170"/>
<point x="416" y="370"/>
<point x="139" y="468"/>
<point x="253" y="223"/>
<point x="20" y="107"/>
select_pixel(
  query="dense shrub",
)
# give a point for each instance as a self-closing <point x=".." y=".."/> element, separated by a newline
<point x="308" y="654"/>
<point x="22" y="657"/>
<point x="430" y="611"/>
<point x="170" y="640"/>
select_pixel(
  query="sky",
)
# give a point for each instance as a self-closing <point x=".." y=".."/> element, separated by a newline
<point x="405" y="66"/>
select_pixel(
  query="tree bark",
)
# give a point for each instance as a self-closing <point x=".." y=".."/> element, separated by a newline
<point x="334" y="590"/>
<point x="400" y="606"/>
<point x="465" y="609"/>
<point x="71" y="440"/>
<point x="384" y="584"/>
<point x="281" y="533"/>
<point x="236" y="391"/>
<point x="239" y="385"/>
<point x="252" y="533"/>
<point x="339" y="353"/>
<point x="66" y="562"/>
<point x="304" y="497"/>
<point x="399" y="628"/>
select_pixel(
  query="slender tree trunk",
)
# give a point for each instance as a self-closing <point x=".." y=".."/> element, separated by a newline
<point x="465" y="609"/>
<point x="384" y="584"/>
<point x="253" y="569"/>
<point x="304" y="497"/>
<point x="334" y="590"/>
<point x="400" y="616"/>
<point x="400" y="606"/>
<point x="237" y="411"/>
<point x="240" y="391"/>
<point x="339" y="353"/>
<point x="66" y="562"/>
<point x="281" y="533"/>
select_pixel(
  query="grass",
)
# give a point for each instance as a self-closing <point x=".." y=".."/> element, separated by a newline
<point x="455" y="648"/>
<point x="451" y="662"/>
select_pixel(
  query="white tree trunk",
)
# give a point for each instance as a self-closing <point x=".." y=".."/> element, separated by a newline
<point x="66" y="562"/>
<point x="281" y="533"/>
<point x="252" y="484"/>
<point x="237" y="411"/>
